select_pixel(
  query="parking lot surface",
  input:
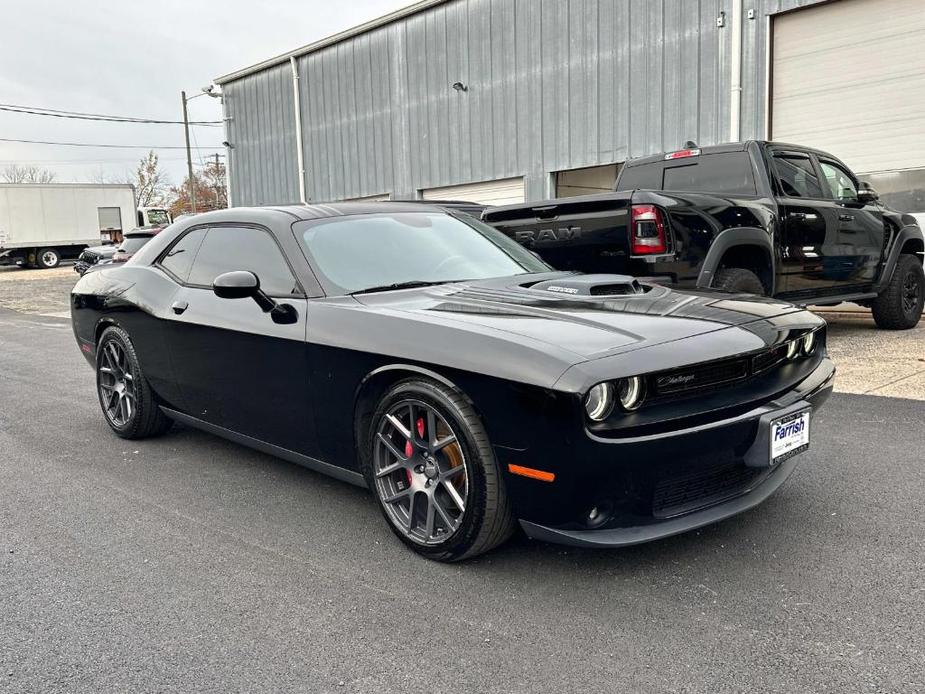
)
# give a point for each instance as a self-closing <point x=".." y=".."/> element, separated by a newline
<point x="187" y="563"/>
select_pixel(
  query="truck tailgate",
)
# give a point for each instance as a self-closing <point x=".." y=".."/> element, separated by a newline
<point x="586" y="233"/>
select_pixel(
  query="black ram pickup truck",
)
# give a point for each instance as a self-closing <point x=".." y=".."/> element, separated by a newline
<point x="758" y="217"/>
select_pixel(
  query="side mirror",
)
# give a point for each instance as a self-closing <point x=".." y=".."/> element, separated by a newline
<point x="866" y="194"/>
<point x="241" y="284"/>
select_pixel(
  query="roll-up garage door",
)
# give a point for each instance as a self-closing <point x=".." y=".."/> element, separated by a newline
<point x="849" y="78"/>
<point x="507" y="191"/>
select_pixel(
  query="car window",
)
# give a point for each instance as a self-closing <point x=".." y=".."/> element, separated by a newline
<point x="133" y="243"/>
<point x="797" y="177"/>
<point x="179" y="258"/>
<point x="839" y="182"/>
<point x="371" y="250"/>
<point x="243" y="248"/>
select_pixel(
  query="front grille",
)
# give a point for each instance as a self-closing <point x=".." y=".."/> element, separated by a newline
<point x="697" y="377"/>
<point x="89" y="257"/>
<point x="701" y="487"/>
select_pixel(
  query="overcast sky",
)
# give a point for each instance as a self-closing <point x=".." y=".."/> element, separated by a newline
<point x="132" y="58"/>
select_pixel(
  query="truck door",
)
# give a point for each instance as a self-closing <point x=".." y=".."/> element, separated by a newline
<point x="860" y="227"/>
<point x="812" y="256"/>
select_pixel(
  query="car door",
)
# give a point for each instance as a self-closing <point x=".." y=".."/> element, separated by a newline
<point x="860" y="227"/>
<point x="236" y="367"/>
<point x="811" y="257"/>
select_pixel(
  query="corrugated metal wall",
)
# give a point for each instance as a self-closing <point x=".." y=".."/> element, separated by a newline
<point x="552" y="85"/>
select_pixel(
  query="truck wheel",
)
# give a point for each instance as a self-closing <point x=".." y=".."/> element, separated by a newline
<point x="739" y="280"/>
<point x="899" y="306"/>
<point x="48" y="258"/>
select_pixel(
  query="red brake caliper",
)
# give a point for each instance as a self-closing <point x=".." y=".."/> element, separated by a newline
<point x="409" y="449"/>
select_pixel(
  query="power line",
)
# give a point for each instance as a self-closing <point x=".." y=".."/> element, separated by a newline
<point x="78" y="115"/>
<point x="89" y="144"/>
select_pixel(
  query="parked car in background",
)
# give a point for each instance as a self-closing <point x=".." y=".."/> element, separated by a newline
<point x="93" y="256"/>
<point x="426" y="356"/>
<point x="761" y="217"/>
<point x="134" y="241"/>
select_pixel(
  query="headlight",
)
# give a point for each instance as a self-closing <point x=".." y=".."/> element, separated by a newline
<point x="808" y="343"/>
<point x="793" y="349"/>
<point x="631" y="392"/>
<point x="599" y="402"/>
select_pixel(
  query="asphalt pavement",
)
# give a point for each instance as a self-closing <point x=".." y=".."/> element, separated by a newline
<point x="190" y="564"/>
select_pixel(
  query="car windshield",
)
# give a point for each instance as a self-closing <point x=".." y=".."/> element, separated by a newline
<point x="360" y="252"/>
<point x="131" y="244"/>
<point x="158" y="217"/>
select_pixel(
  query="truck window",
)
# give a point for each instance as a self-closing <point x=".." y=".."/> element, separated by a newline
<point x="723" y="172"/>
<point x="796" y="176"/>
<point x="838" y="182"/>
<point x="728" y="172"/>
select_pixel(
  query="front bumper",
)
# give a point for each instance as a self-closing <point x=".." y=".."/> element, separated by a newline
<point x="661" y="485"/>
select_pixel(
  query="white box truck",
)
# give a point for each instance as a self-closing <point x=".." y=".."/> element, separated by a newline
<point x="42" y="224"/>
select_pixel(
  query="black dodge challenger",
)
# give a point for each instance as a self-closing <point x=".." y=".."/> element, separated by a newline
<point x="422" y="354"/>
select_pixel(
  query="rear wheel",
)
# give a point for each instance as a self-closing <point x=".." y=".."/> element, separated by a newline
<point x="899" y="306"/>
<point x="739" y="280"/>
<point x="48" y="258"/>
<point x="128" y="403"/>
<point x="433" y="471"/>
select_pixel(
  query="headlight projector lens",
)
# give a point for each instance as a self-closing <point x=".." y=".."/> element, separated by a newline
<point x="809" y="343"/>
<point x="631" y="393"/>
<point x="599" y="402"/>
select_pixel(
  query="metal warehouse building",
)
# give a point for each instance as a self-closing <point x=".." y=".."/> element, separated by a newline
<point x="500" y="101"/>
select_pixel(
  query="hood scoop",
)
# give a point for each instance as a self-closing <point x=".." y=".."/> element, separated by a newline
<point x="590" y="285"/>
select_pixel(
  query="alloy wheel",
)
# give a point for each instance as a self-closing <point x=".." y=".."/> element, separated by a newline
<point x="420" y="472"/>
<point x="116" y="384"/>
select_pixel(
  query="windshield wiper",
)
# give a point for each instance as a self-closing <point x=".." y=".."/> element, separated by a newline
<point x="399" y="285"/>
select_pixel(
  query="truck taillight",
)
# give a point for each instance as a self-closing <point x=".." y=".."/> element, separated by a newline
<point x="649" y="236"/>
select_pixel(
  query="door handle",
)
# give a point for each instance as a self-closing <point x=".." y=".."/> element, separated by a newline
<point x="846" y="218"/>
<point x="797" y="215"/>
<point x="179" y="307"/>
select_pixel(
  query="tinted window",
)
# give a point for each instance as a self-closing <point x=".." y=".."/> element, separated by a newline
<point x="133" y="243"/>
<point x="838" y="181"/>
<point x="730" y="172"/>
<point x="362" y="251"/>
<point x="241" y="248"/>
<point x="797" y="177"/>
<point x="641" y="177"/>
<point x="725" y="172"/>
<point x="179" y="258"/>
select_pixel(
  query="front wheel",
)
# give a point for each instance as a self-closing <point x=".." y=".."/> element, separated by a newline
<point x="128" y="403"/>
<point x="48" y="258"/>
<point x="899" y="306"/>
<point x="433" y="471"/>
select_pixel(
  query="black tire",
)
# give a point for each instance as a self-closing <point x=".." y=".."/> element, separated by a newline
<point x="738" y="280"/>
<point x="47" y="258"/>
<point x="145" y="419"/>
<point x="487" y="520"/>
<point x="899" y="306"/>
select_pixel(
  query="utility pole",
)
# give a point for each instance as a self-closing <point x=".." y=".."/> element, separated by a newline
<point x="189" y="156"/>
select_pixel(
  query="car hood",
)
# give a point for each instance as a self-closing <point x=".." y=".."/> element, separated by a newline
<point x="577" y="329"/>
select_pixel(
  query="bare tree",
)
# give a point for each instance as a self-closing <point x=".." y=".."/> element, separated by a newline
<point x="151" y="183"/>
<point x="27" y="174"/>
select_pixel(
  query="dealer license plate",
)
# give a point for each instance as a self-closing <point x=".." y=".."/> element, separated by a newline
<point x="789" y="436"/>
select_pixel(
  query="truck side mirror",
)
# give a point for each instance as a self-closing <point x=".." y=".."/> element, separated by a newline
<point x="866" y="194"/>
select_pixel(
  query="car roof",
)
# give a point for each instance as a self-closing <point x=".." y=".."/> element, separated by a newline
<point x="318" y="210"/>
